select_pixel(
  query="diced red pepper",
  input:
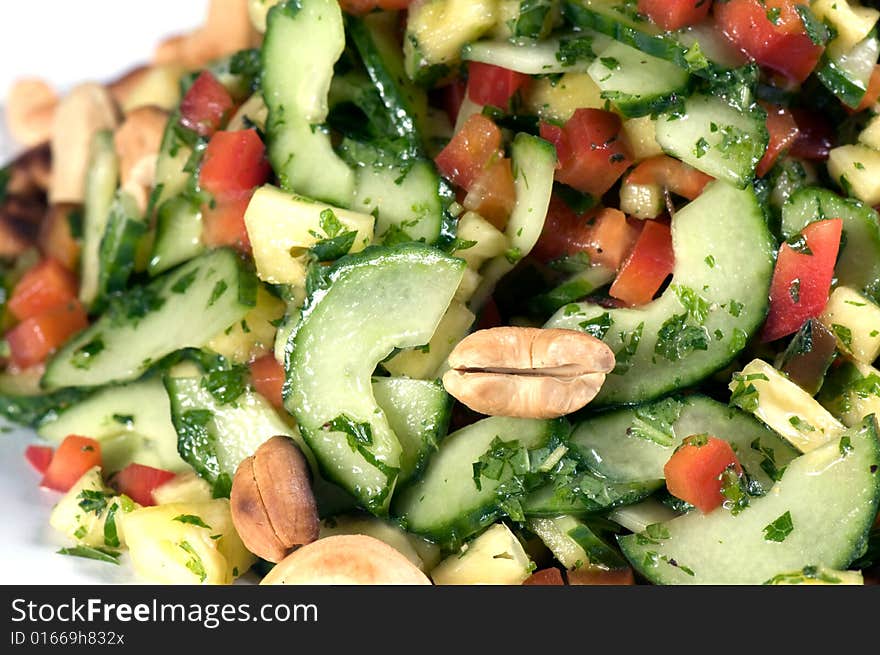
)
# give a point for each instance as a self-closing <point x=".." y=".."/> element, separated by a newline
<point x="783" y="131"/>
<point x="587" y="575"/>
<point x="493" y="85"/>
<point x="206" y="106"/>
<point x="694" y="471"/>
<point x="267" y="376"/>
<point x="493" y="194"/>
<point x="39" y="457"/>
<point x="138" y="481"/>
<point x="471" y="149"/>
<point x="672" y="174"/>
<point x="772" y="33"/>
<point x="223" y="224"/>
<point x="801" y="281"/>
<point x="545" y="577"/>
<point x="647" y="267"/>
<point x="872" y="93"/>
<point x="234" y="164"/>
<point x="74" y="457"/>
<point x="45" y="286"/>
<point x="591" y="150"/>
<point x="672" y="15"/>
<point x="31" y="341"/>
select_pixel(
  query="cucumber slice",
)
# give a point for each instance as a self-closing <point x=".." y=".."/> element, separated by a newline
<point x="304" y="38"/>
<point x="847" y="75"/>
<point x="837" y="485"/>
<point x="587" y="494"/>
<point x="531" y="56"/>
<point x="574" y="544"/>
<point x="172" y="175"/>
<point x="22" y="401"/>
<point x="715" y="137"/>
<point x="119" y="246"/>
<point x="636" y="83"/>
<point x="379" y="300"/>
<point x="635" y="444"/>
<point x="132" y="422"/>
<point x="577" y="286"/>
<point x="534" y="164"/>
<point x="418" y="412"/>
<point x="147" y="323"/>
<point x="533" y="18"/>
<point x="178" y="234"/>
<point x="858" y="264"/>
<point x="446" y="504"/>
<point x="101" y="180"/>
<point x="705" y="317"/>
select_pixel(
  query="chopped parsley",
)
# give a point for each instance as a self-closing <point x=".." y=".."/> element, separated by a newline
<point x="630" y="344"/>
<point x="802" y="576"/>
<point x="92" y="552"/>
<point x="779" y="529"/>
<point x="226" y="384"/>
<point x="768" y="463"/>
<point x="843" y="334"/>
<point x="357" y="433"/>
<point x="597" y="327"/>
<point x="676" y="339"/>
<point x="219" y="289"/>
<point x="654" y="422"/>
<point x="192" y="519"/>
<point x="194" y="563"/>
<point x="735" y="491"/>
<point x="845" y="446"/>
<point x="93" y="501"/>
<point x="184" y="281"/>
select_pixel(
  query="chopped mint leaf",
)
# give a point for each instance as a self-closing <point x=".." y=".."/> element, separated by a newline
<point x="192" y="519"/>
<point x="779" y="529"/>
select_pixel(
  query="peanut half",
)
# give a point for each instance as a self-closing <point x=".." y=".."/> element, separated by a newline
<point x="345" y="560"/>
<point x="273" y="507"/>
<point x="527" y="372"/>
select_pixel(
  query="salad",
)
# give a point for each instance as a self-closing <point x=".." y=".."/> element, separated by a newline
<point x="459" y="292"/>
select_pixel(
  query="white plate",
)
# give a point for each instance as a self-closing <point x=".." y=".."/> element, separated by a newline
<point x="109" y="37"/>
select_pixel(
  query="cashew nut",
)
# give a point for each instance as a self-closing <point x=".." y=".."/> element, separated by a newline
<point x="137" y="143"/>
<point x="227" y="29"/>
<point x="30" y="110"/>
<point x="85" y="110"/>
<point x="346" y="560"/>
<point x="273" y="508"/>
<point x="527" y="372"/>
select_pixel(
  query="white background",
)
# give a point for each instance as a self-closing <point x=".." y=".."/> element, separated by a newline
<point x="65" y="42"/>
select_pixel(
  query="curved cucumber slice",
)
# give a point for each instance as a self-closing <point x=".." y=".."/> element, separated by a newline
<point x="858" y="265"/>
<point x="378" y="300"/>
<point x="116" y="254"/>
<point x="132" y="422"/>
<point x="586" y="494"/>
<point x="847" y="75"/>
<point x="818" y="514"/>
<point x="304" y="38"/>
<point x="147" y="323"/>
<point x="447" y="504"/>
<point x="715" y="302"/>
<point x="634" y="444"/>
<point x="529" y="56"/>
<point x="101" y="181"/>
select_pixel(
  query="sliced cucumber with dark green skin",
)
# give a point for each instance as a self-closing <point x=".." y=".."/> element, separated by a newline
<point x="178" y="234"/>
<point x="452" y="501"/>
<point x="304" y="38"/>
<point x="132" y="422"/>
<point x="22" y="400"/>
<point x="534" y="18"/>
<point x="586" y="494"/>
<point x="172" y="175"/>
<point x="377" y="300"/>
<point x="116" y="255"/>
<point x="145" y="324"/>
<point x="577" y="286"/>
<point x="858" y="264"/>
<point x="837" y="484"/>
<point x="715" y="137"/>
<point x="101" y="180"/>
<point x="418" y="412"/>
<point x="375" y="37"/>
<point x="637" y="84"/>
<point x="707" y="314"/>
<point x="633" y="444"/>
<point x="530" y="56"/>
<point x="847" y="75"/>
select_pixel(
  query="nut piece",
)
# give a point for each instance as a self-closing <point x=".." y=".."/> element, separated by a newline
<point x="30" y="110"/>
<point x="346" y="560"/>
<point x="273" y="508"/>
<point x="137" y="143"/>
<point x="227" y="29"/>
<point x="85" y="110"/>
<point x="527" y="372"/>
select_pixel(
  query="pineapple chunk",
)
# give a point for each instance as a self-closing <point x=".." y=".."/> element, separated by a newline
<point x="870" y="136"/>
<point x="183" y="488"/>
<point x="852" y="23"/>
<point x="642" y="136"/>
<point x="254" y="336"/>
<point x="783" y="406"/>
<point x="437" y="29"/>
<point x="851" y="392"/>
<point x="857" y="169"/>
<point x="283" y="227"/>
<point x="855" y="321"/>
<point x="426" y="363"/>
<point x="559" y="99"/>
<point x="91" y="513"/>
<point x="642" y="200"/>
<point x="159" y="86"/>
<point x="469" y="283"/>
<point x="495" y="557"/>
<point x="186" y="543"/>
<point x="489" y="240"/>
